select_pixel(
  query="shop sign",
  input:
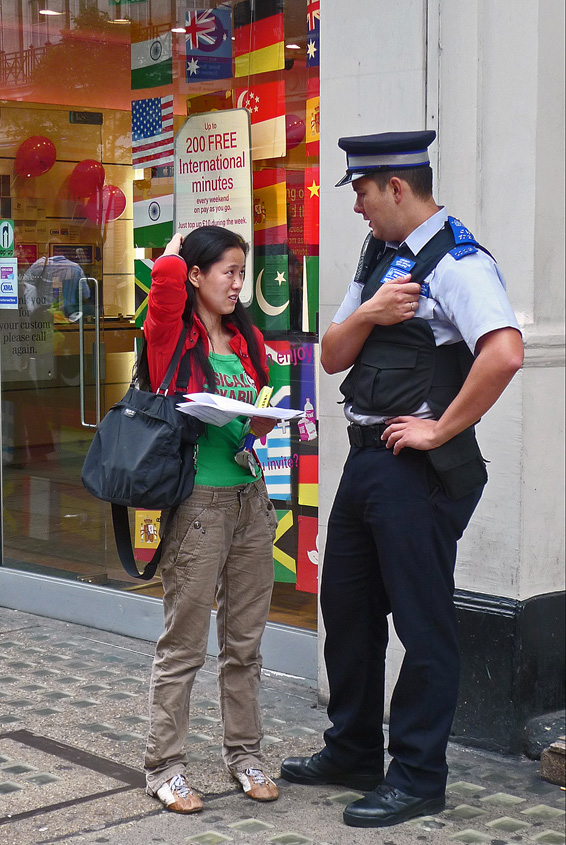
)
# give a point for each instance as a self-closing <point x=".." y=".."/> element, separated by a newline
<point x="213" y="178"/>
<point x="125" y="2"/>
<point x="6" y="238"/>
<point x="9" y="283"/>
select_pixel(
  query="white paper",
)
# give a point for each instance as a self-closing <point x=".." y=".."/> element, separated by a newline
<point x="219" y="410"/>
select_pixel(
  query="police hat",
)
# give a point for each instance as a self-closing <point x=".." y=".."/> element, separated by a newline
<point x="388" y="150"/>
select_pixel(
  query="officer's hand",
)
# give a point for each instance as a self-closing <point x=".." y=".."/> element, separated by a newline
<point x="412" y="432"/>
<point x="394" y="302"/>
<point x="174" y="245"/>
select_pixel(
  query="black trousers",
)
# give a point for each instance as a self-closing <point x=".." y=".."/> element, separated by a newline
<point x="391" y="548"/>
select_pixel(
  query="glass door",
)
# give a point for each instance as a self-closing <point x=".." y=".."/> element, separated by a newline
<point x="67" y="338"/>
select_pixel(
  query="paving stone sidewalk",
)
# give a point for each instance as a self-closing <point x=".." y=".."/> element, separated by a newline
<point x="73" y="704"/>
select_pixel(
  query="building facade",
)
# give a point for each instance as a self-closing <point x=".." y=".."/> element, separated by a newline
<point x="92" y="93"/>
<point x="489" y="78"/>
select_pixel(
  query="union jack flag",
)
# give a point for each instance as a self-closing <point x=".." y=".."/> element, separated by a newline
<point x="313" y="13"/>
<point x="200" y="29"/>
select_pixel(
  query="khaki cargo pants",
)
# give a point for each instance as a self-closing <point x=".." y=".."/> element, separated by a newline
<point x="219" y="544"/>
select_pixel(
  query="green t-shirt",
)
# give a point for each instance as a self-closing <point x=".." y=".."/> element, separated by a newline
<point x="216" y="466"/>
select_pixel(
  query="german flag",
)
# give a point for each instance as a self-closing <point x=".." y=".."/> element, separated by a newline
<point x="258" y="37"/>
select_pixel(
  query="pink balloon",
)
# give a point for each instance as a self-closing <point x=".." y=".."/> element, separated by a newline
<point x="105" y="205"/>
<point x="35" y="156"/>
<point x="86" y="178"/>
<point x="295" y="130"/>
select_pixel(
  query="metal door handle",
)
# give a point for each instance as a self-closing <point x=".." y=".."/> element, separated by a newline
<point x="95" y="352"/>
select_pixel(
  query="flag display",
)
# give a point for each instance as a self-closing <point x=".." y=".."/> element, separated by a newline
<point x="266" y="105"/>
<point x="142" y="273"/>
<point x="313" y="33"/>
<point x="258" y="37"/>
<point x="284" y="565"/>
<point x="312" y="127"/>
<point x="153" y="220"/>
<point x="312" y="206"/>
<point x="310" y="293"/>
<point x="208" y="44"/>
<point x="307" y="554"/>
<point x="270" y="306"/>
<point x="270" y="207"/>
<point x="152" y="132"/>
<point x="275" y="459"/>
<point x="308" y="480"/>
<point x="152" y="62"/>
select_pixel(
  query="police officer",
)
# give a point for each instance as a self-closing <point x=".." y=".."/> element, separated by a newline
<point x="430" y="341"/>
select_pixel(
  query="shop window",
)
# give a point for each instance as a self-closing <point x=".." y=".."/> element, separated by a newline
<point x="82" y="192"/>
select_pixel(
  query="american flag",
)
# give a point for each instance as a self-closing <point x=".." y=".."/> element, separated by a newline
<point x="152" y="132"/>
<point x="313" y="13"/>
<point x="200" y="29"/>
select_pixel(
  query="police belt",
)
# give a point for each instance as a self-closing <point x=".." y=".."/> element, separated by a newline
<point x="366" y="435"/>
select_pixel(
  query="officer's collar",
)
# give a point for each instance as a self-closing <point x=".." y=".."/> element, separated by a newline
<point x="420" y="236"/>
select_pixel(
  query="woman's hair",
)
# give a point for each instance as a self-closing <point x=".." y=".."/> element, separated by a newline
<point x="203" y="248"/>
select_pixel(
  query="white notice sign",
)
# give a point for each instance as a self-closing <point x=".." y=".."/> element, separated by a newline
<point x="213" y="178"/>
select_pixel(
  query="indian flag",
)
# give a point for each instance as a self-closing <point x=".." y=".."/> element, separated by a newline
<point x="153" y="221"/>
<point x="152" y="62"/>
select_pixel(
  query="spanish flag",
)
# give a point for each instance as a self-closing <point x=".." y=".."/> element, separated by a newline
<point x="312" y="130"/>
<point x="270" y="206"/>
<point x="258" y="37"/>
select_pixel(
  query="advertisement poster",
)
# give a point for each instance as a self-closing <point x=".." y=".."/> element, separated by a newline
<point x="213" y="178"/>
<point x="9" y="283"/>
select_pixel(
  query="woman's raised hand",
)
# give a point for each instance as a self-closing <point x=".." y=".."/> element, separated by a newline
<point x="174" y="245"/>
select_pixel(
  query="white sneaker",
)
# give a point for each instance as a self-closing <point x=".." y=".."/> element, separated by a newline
<point x="257" y="785"/>
<point x="177" y="796"/>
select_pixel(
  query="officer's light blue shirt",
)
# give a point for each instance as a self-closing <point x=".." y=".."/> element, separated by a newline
<point x="466" y="299"/>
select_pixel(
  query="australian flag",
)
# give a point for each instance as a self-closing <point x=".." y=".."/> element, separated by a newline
<point x="209" y="44"/>
<point x="313" y="33"/>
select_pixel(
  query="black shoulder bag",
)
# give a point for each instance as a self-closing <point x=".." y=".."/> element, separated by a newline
<point x="143" y="455"/>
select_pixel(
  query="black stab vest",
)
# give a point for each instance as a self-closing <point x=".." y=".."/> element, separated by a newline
<point x="400" y="366"/>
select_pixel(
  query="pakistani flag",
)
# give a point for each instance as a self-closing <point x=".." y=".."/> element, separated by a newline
<point x="310" y="293"/>
<point x="270" y="306"/>
<point x="153" y="221"/>
<point x="142" y="272"/>
<point x="152" y="62"/>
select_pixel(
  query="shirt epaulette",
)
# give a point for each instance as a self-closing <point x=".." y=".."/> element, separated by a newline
<point x="460" y="251"/>
<point x="462" y="234"/>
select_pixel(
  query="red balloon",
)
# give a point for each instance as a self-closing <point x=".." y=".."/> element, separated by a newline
<point x="295" y="130"/>
<point x="86" y="178"/>
<point x="35" y="155"/>
<point x="105" y="205"/>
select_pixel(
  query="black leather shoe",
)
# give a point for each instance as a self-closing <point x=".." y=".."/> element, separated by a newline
<point x="387" y="806"/>
<point x="316" y="770"/>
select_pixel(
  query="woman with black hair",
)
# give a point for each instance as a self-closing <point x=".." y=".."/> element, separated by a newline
<point x="219" y="542"/>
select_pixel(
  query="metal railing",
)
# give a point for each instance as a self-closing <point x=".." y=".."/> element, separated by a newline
<point x="18" y="68"/>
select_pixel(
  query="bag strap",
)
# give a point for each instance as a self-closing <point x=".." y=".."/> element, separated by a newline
<point x="184" y="374"/>
<point x="174" y="361"/>
<point x="124" y="543"/>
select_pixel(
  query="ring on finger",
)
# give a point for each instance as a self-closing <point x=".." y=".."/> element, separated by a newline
<point x="413" y="306"/>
